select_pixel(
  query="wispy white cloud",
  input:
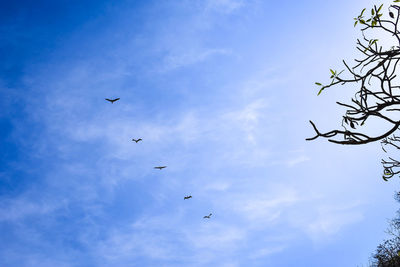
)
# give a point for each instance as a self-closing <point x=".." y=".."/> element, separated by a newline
<point x="216" y="236"/>
<point x="264" y="252"/>
<point x="266" y="209"/>
<point x="217" y="186"/>
<point x="248" y="118"/>
<point x="179" y="59"/>
<point x="124" y="246"/>
<point x="14" y="210"/>
<point x="331" y="219"/>
<point x="225" y="6"/>
<point x="297" y="160"/>
<point x="130" y="244"/>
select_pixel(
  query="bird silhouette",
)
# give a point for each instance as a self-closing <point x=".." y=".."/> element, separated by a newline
<point x="136" y="140"/>
<point x="160" y="167"/>
<point x="112" y="100"/>
<point x="207" y="217"/>
<point x="187" y="197"/>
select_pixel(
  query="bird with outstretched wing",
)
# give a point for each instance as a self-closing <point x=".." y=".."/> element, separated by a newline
<point x="207" y="216"/>
<point x="187" y="197"/>
<point x="160" y="167"/>
<point x="112" y="100"/>
<point x="136" y="140"/>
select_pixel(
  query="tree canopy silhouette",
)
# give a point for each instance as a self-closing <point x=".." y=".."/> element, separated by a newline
<point x="387" y="254"/>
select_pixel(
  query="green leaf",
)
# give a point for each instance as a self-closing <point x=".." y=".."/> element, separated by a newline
<point x="333" y="73"/>
<point x="363" y="21"/>
<point x="372" y="12"/>
<point x="380" y="7"/>
<point x="318" y="84"/>
<point x="364" y="9"/>
<point x="355" y="23"/>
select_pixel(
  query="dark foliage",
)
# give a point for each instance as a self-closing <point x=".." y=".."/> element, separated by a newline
<point x="388" y="253"/>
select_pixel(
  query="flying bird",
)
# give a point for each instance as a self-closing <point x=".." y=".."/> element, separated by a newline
<point x="187" y="197"/>
<point x="112" y="100"/>
<point x="160" y="167"/>
<point x="136" y="140"/>
<point x="207" y="217"/>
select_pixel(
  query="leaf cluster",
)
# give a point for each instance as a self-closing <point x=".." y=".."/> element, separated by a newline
<point x="372" y="21"/>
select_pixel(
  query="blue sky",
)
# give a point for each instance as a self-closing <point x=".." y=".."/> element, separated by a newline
<point x="221" y="92"/>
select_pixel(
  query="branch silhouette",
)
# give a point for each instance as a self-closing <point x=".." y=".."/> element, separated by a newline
<point x="378" y="87"/>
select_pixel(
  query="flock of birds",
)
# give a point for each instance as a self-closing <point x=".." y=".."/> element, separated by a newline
<point x="157" y="167"/>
